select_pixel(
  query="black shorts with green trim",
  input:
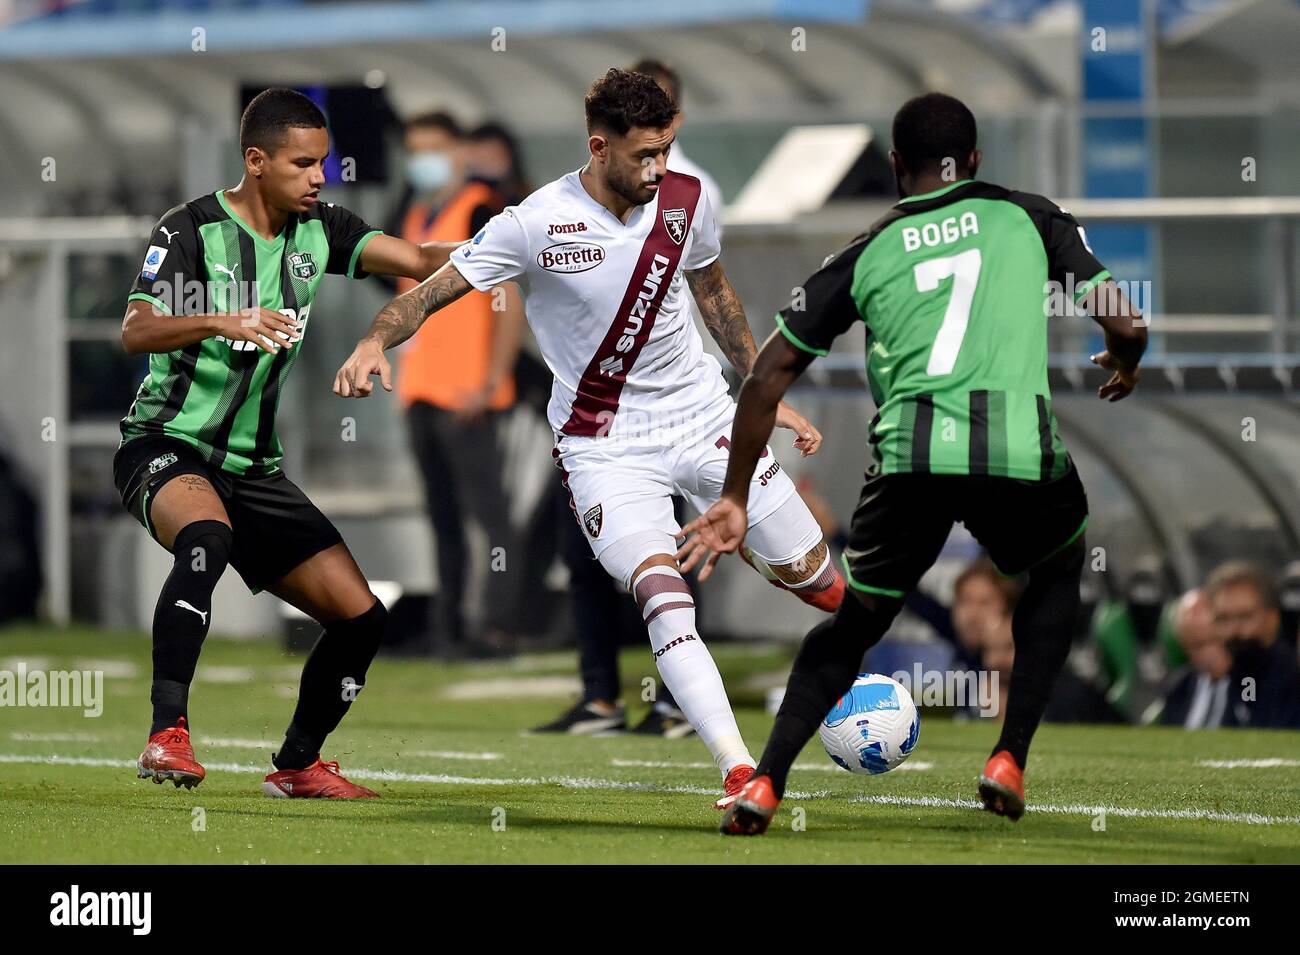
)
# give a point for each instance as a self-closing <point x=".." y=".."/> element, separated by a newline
<point x="902" y="521"/>
<point x="275" y="526"/>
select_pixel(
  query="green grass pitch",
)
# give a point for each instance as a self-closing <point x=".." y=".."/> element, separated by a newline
<point x="444" y="746"/>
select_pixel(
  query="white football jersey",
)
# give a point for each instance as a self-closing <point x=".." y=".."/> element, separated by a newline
<point x="607" y="303"/>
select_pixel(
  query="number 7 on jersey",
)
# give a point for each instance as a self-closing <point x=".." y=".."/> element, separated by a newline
<point x="964" y="269"/>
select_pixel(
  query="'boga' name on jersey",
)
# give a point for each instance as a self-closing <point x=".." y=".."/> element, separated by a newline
<point x="940" y="233"/>
<point x="613" y="365"/>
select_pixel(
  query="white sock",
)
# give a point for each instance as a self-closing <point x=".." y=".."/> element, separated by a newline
<point x="686" y="665"/>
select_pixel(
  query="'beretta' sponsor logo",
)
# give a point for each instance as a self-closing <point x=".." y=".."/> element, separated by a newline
<point x="571" y="257"/>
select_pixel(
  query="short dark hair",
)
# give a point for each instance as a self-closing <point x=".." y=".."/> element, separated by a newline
<point x="622" y="99"/>
<point x="931" y="128"/>
<point x="272" y="113"/>
<point x="1234" y="573"/>
<point x="436" y="119"/>
<point x="982" y="566"/>
<point x="662" y="73"/>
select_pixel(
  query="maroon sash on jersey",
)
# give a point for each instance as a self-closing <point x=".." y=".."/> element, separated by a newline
<point x="596" y="402"/>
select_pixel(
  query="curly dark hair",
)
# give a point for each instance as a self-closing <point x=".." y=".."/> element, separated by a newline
<point x="622" y="99"/>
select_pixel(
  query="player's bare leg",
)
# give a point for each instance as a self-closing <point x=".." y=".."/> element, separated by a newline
<point x="811" y="577"/>
<point x="188" y="519"/>
<point x="330" y="588"/>
<point x="687" y="667"/>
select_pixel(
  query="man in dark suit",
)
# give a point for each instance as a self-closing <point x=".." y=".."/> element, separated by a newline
<point x="1199" y="692"/>
<point x="1248" y="618"/>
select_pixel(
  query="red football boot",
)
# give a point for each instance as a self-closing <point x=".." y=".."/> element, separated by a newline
<point x="1002" y="786"/>
<point x="733" y="784"/>
<point x="317" y="781"/>
<point x="169" y="755"/>
<point x="753" y="809"/>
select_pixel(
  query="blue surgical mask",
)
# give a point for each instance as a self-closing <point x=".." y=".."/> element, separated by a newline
<point x="428" y="171"/>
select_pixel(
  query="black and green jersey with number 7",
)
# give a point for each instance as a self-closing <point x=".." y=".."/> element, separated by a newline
<point x="954" y="288"/>
<point x="219" y="395"/>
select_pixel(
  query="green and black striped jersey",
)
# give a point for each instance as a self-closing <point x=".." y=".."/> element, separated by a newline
<point x="953" y="287"/>
<point x="221" y="395"/>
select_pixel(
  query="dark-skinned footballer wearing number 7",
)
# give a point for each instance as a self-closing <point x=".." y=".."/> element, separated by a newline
<point x="951" y="286"/>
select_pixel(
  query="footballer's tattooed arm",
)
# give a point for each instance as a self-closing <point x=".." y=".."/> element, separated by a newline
<point x="399" y="319"/>
<point x="396" y="322"/>
<point x="723" y="315"/>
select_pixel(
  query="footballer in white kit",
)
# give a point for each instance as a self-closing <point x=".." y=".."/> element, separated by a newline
<point x="640" y="411"/>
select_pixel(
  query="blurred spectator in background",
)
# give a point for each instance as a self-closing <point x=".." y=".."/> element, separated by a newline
<point x="1130" y="659"/>
<point x="494" y="158"/>
<point x="1265" y="677"/>
<point x="979" y="627"/>
<point x="1198" y="696"/>
<point x="1289" y="598"/>
<point x="982" y="600"/>
<point x="997" y="653"/>
<point x="455" y="378"/>
<point x="981" y="597"/>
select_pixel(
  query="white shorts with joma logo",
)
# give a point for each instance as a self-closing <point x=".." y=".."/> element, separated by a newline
<point x="622" y="491"/>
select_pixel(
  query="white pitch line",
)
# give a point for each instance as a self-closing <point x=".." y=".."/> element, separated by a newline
<point x="579" y="782"/>
<point x="112" y="669"/>
<point x="571" y="782"/>
<point x="1248" y="763"/>
<point x="207" y="673"/>
<point x="1126" y="812"/>
<point x="918" y="765"/>
<point x="452" y="754"/>
<point x="221" y="742"/>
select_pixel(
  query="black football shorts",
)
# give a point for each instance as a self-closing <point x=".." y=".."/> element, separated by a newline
<point x="902" y="521"/>
<point x="275" y="525"/>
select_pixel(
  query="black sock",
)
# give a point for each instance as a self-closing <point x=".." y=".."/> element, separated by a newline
<point x="181" y="618"/>
<point x="333" y="675"/>
<point x="827" y="664"/>
<point x="1042" y="627"/>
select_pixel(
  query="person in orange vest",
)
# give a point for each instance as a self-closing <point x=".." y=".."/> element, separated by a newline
<point x="455" y="379"/>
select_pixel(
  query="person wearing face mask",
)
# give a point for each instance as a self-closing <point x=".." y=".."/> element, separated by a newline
<point x="1265" y="679"/>
<point x="455" y="379"/>
<point x="495" y="159"/>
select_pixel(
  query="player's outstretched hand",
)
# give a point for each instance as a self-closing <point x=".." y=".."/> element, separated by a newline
<point x="353" y="379"/>
<point x="807" y="439"/>
<point x="719" y="530"/>
<point x="1121" y="383"/>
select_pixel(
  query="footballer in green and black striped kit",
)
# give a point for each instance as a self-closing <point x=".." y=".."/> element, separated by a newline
<point x="221" y="396"/>
<point x="220" y="305"/>
<point x="951" y="288"/>
<point x="955" y="285"/>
